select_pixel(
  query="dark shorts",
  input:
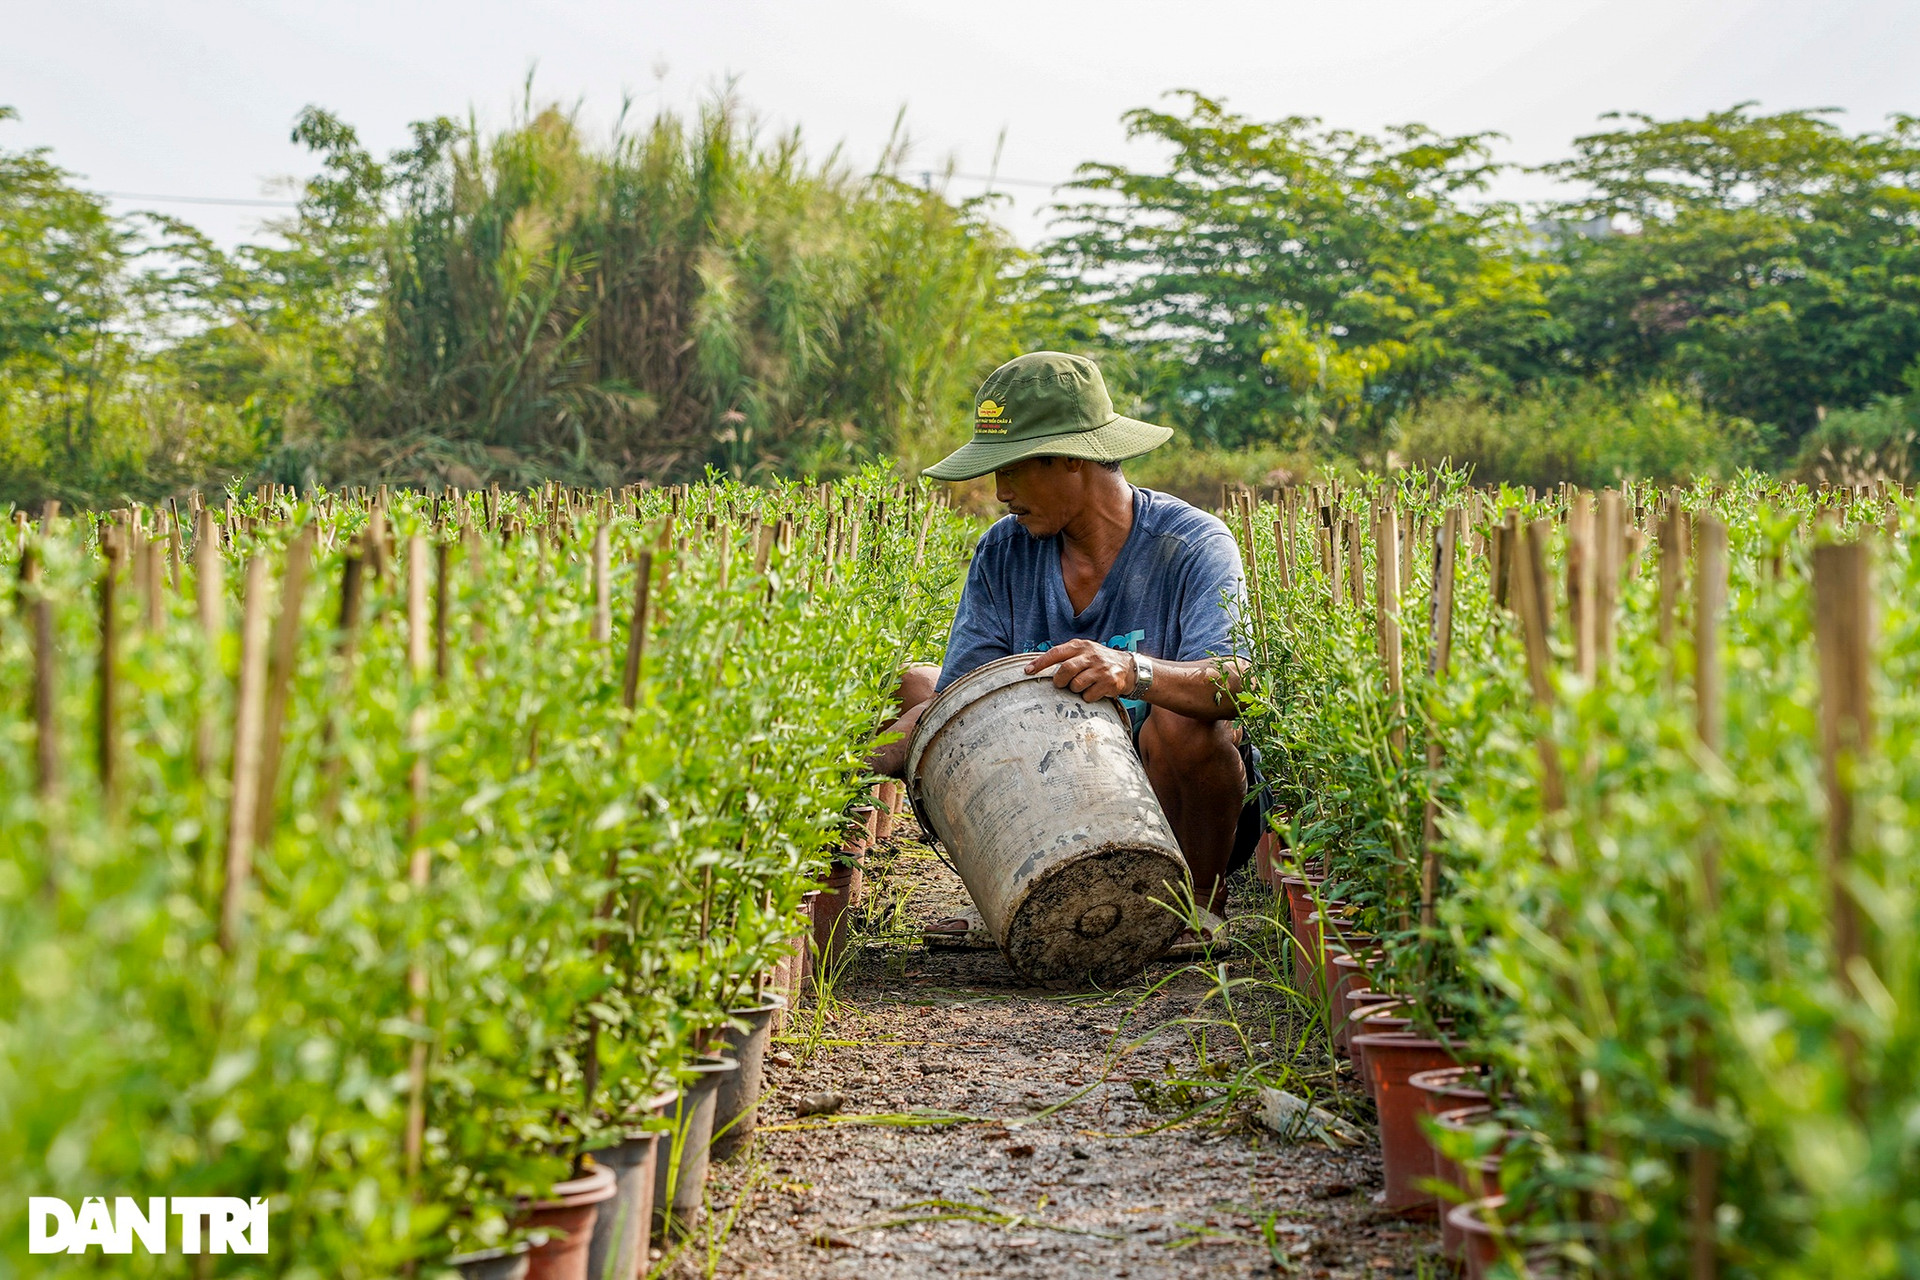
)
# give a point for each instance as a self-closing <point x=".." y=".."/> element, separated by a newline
<point x="1254" y="813"/>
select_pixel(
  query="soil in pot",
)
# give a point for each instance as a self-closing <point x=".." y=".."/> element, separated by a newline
<point x="737" y="1103"/>
<point x="619" y="1246"/>
<point x="680" y="1168"/>
<point x="494" y="1264"/>
<point x="1405" y="1153"/>
<point x="567" y="1216"/>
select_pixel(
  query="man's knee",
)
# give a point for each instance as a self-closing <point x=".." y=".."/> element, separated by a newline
<point x="1184" y="743"/>
<point x="916" y="684"/>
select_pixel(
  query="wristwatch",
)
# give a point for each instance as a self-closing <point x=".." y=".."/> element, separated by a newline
<point x="1142" y="674"/>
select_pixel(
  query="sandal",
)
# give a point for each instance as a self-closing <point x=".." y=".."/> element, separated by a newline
<point x="965" y="932"/>
<point x="1188" y="943"/>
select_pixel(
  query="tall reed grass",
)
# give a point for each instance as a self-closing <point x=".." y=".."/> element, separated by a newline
<point x="692" y="293"/>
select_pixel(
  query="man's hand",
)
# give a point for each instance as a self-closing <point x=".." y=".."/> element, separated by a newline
<point x="1091" y="670"/>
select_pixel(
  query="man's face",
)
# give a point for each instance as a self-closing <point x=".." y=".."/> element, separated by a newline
<point x="1043" y="494"/>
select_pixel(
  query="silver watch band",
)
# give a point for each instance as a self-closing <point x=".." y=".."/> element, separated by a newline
<point x="1142" y="674"/>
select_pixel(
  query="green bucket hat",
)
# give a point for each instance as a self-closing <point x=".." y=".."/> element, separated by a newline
<point x="1046" y="404"/>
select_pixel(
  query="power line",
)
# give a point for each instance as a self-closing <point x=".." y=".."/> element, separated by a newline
<point x="998" y="178"/>
<point x="927" y="177"/>
<point x="226" y="200"/>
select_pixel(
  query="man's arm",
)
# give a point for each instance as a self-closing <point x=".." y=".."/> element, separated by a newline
<point x="1206" y="689"/>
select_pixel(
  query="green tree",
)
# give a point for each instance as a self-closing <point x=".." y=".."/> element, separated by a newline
<point x="1284" y="281"/>
<point x="1768" y="260"/>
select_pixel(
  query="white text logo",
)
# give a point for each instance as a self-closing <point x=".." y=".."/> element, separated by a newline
<point x="208" y="1224"/>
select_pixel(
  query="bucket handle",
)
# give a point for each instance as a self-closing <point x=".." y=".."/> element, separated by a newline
<point x="934" y="842"/>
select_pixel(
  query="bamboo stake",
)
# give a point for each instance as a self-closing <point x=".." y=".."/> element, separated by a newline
<point x="249" y="712"/>
<point x="1710" y="605"/>
<point x="280" y="664"/>
<point x="442" y="607"/>
<point x="173" y="543"/>
<point x="1843" y="628"/>
<point x="1253" y="573"/>
<point x="1671" y="559"/>
<point x="155" y="581"/>
<point x="420" y="859"/>
<point x="1387" y="564"/>
<point x="1330" y="560"/>
<point x="209" y="569"/>
<point x="1536" y="624"/>
<point x="1280" y="554"/>
<point x="1606" y="578"/>
<point x="602" y="590"/>
<point x="1439" y="658"/>
<point x="1580" y="582"/>
<point x="1356" y="563"/>
<point x="351" y="582"/>
<point x="114" y="550"/>
<point x="637" y="631"/>
<point x="1404" y="536"/>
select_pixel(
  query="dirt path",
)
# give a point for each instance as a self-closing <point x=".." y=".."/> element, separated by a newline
<point x="1077" y="1162"/>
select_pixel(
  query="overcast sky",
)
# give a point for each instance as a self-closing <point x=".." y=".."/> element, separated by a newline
<point x="195" y="97"/>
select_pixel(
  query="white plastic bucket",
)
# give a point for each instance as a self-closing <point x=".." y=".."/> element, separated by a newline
<point x="1045" y="810"/>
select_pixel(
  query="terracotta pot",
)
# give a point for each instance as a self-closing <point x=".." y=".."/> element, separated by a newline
<point x="1373" y="1016"/>
<point x="840" y="889"/>
<point x="493" y="1264"/>
<point x="868" y="816"/>
<point x="1480" y="1175"/>
<point x="680" y="1166"/>
<point x="567" y="1217"/>
<point x="775" y="981"/>
<point x="883" y="810"/>
<point x="1349" y="975"/>
<point x="1336" y="935"/>
<point x="1405" y="1152"/>
<point x="1266" y="860"/>
<point x="619" y="1248"/>
<point x="736" y="1106"/>
<point x="1443" y="1090"/>
<point x="802" y="967"/>
<point x="1300" y="904"/>
<point x="1478" y="1222"/>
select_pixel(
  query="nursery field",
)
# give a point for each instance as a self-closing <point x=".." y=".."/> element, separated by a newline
<point x="419" y="862"/>
<point x="383" y="854"/>
<point x="1613" y="793"/>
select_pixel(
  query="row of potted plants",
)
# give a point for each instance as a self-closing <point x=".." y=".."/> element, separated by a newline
<point x="423" y="864"/>
<point x="1592" y="857"/>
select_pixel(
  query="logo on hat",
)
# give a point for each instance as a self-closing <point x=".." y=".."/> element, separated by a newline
<point x="988" y="415"/>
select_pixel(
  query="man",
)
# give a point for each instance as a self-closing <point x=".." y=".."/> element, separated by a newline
<point x="1124" y="592"/>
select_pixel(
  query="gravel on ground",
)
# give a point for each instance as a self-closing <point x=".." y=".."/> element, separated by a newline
<point x="984" y="1128"/>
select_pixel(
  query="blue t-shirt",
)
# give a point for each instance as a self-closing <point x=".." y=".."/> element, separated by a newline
<point x="1174" y="592"/>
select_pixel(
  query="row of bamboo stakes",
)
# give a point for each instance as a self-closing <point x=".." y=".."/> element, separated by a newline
<point x="1604" y="542"/>
<point x="263" y="685"/>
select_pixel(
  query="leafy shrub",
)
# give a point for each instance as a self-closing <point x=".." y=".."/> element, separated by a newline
<point x="1590" y="434"/>
<point x="1858" y="446"/>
